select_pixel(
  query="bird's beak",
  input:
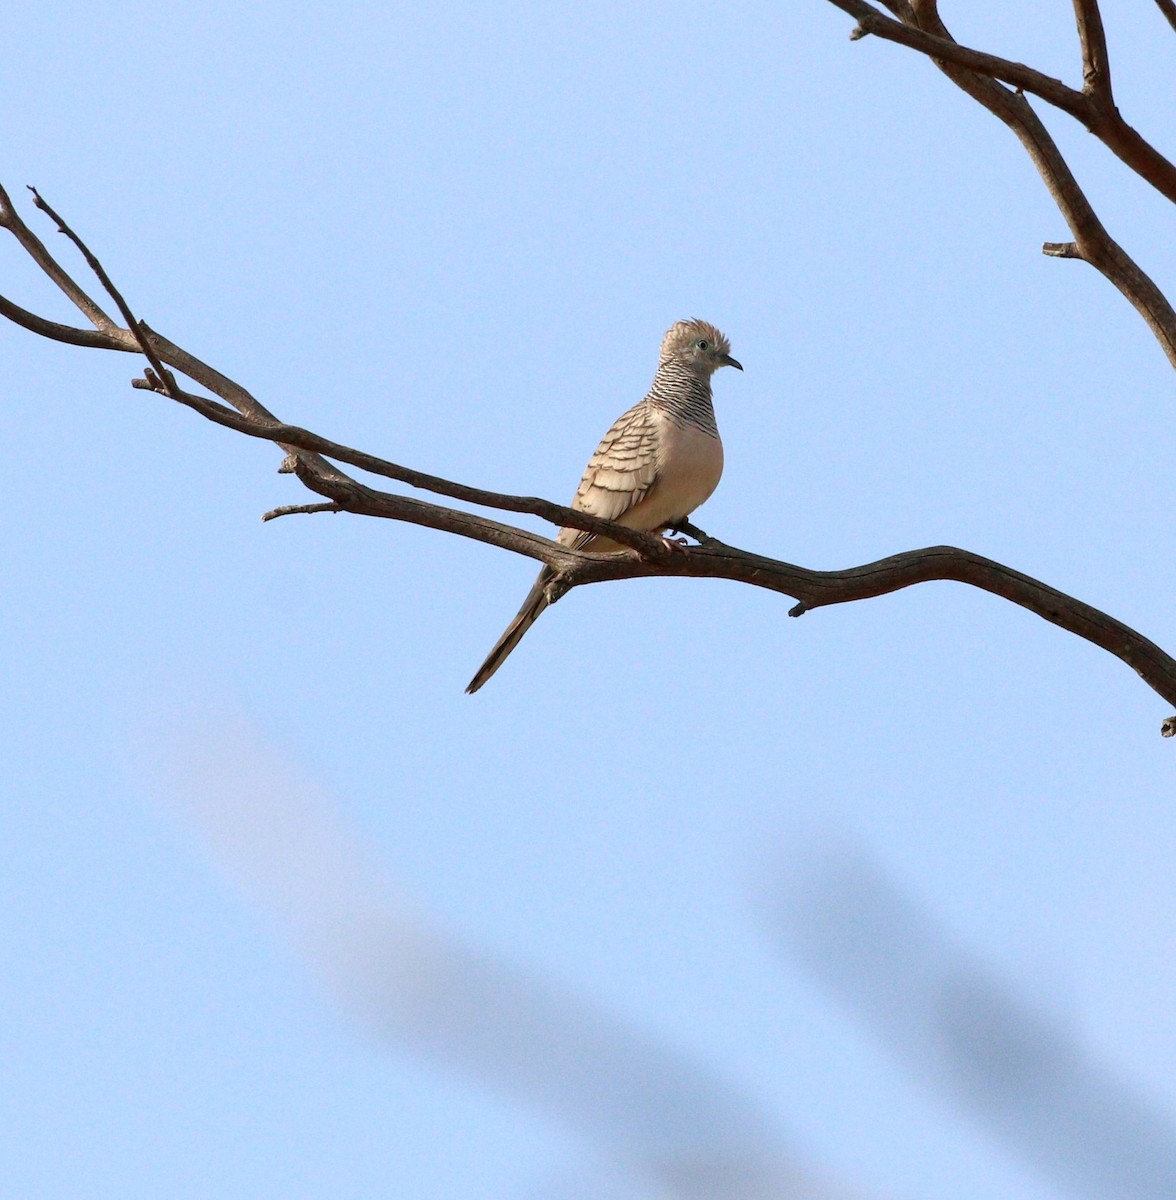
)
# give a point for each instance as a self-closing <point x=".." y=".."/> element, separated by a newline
<point x="728" y="361"/>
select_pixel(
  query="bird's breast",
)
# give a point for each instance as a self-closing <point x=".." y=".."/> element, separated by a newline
<point x="690" y="464"/>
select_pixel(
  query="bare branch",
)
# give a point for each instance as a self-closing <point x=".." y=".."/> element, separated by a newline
<point x="645" y="556"/>
<point x="1096" y="65"/>
<point x="92" y="338"/>
<point x="107" y="335"/>
<point x="1092" y="241"/>
<point x="1092" y="108"/>
<point x="870" y="20"/>
<point x="138" y="338"/>
<point x="289" y="509"/>
<point x="711" y="559"/>
<point x="36" y="250"/>
<point x="104" y="279"/>
<point x="303" y="439"/>
<point x="354" y="497"/>
<point x="812" y="589"/>
<point x="815" y="589"/>
<point x="1168" y="8"/>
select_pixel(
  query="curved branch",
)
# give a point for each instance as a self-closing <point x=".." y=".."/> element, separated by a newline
<point x="93" y="339"/>
<point x="139" y="338"/>
<point x="646" y="554"/>
<point x="134" y="326"/>
<point x="33" y="246"/>
<point x="712" y="559"/>
<point x="247" y="415"/>
<point x="810" y="588"/>
<point x="294" y="437"/>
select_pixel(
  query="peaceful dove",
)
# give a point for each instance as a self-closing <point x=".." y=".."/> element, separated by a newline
<point x="654" y="467"/>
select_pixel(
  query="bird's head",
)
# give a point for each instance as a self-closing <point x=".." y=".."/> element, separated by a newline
<point x="699" y="345"/>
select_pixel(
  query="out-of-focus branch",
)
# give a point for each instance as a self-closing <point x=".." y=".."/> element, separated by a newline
<point x="1024" y="1077"/>
<point x="645" y="556"/>
<point x="671" y="1123"/>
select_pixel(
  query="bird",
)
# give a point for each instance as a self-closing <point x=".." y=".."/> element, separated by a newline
<point x="660" y="460"/>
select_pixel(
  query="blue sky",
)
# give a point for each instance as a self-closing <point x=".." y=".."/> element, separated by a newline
<point x="287" y="914"/>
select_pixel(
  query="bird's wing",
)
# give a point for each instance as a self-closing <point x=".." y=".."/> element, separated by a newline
<point x="621" y="472"/>
<point x="618" y="477"/>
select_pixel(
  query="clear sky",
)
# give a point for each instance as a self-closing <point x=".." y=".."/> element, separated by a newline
<point x="692" y="899"/>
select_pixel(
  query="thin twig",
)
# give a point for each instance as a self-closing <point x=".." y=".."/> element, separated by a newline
<point x="303" y="439"/>
<point x="289" y="509"/>
<point x="117" y="296"/>
<point x="36" y="249"/>
<point x="138" y="338"/>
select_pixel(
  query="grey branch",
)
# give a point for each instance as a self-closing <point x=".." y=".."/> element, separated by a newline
<point x="645" y="556"/>
<point x="1061" y="250"/>
<point x="287" y="510"/>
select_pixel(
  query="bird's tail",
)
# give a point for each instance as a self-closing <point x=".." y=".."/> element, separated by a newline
<point x="534" y="604"/>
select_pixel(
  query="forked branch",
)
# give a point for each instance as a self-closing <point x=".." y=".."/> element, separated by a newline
<point x="917" y="25"/>
<point x="313" y="459"/>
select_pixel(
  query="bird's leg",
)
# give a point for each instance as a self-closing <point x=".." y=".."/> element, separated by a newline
<point x="674" y="543"/>
<point x="683" y="526"/>
<point x="558" y="585"/>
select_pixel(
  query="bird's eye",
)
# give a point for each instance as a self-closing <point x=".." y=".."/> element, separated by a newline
<point x="703" y="344"/>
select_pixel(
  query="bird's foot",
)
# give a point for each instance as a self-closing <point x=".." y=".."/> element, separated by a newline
<point x="684" y="526"/>
<point x="678" y="544"/>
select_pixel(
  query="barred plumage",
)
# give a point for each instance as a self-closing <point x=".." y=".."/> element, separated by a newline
<point x="683" y="396"/>
<point x="658" y="462"/>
